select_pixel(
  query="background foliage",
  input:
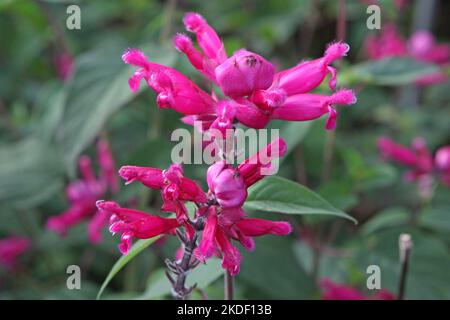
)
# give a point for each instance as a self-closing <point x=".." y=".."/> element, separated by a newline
<point x="46" y="124"/>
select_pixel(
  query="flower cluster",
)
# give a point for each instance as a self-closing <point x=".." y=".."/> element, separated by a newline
<point x="421" y="46"/>
<point x="419" y="159"/>
<point x="254" y="93"/>
<point x="219" y="210"/>
<point x="82" y="195"/>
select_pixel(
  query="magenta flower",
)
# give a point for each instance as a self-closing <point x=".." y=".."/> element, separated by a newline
<point x="308" y="75"/>
<point x="82" y="195"/>
<point x="253" y="90"/>
<point x="175" y="91"/>
<point x="334" y="291"/>
<point x="11" y="248"/>
<point x="227" y="185"/>
<point x="423" y="46"/>
<point x="175" y="188"/>
<point x="420" y="161"/>
<point x="135" y="224"/>
<point x="227" y="220"/>
<point x="417" y="158"/>
<point x="208" y="40"/>
<point x="225" y="224"/>
<point x="302" y="107"/>
<point x="243" y="73"/>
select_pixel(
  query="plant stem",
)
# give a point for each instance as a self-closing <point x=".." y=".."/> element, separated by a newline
<point x="405" y="246"/>
<point x="180" y="291"/>
<point x="342" y="16"/>
<point x="228" y="286"/>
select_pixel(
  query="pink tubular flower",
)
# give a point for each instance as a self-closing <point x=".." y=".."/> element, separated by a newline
<point x="442" y="163"/>
<point x="300" y="107"/>
<point x="417" y="158"/>
<point x="261" y="164"/>
<point x="226" y="113"/>
<point x="243" y="73"/>
<point x="223" y="225"/>
<point x="83" y="193"/>
<point x="206" y="66"/>
<point x="207" y="38"/>
<point x="11" y="248"/>
<point x="175" y="91"/>
<point x="308" y="75"/>
<point x="227" y="221"/>
<point x="388" y="44"/>
<point x="334" y="291"/>
<point x="175" y="188"/>
<point x="135" y="224"/>
<point x="227" y="185"/>
<point x="311" y="106"/>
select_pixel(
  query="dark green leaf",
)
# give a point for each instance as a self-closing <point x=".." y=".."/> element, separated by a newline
<point x="392" y="71"/>
<point x="123" y="260"/>
<point x="276" y="194"/>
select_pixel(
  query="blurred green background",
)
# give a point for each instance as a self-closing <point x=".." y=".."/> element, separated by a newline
<point x="46" y="123"/>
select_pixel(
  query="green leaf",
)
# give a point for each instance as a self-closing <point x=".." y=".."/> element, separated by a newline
<point x="392" y="217"/>
<point x="276" y="194"/>
<point x="272" y="269"/>
<point x="436" y="219"/>
<point x="203" y="276"/>
<point x="123" y="260"/>
<point x="392" y="71"/>
<point x="26" y="167"/>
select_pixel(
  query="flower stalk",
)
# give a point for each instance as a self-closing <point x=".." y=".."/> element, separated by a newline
<point x="405" y="246"/>
<point x="229" y="286"/>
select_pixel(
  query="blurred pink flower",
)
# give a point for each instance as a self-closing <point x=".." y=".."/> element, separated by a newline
<point x="420" y="161"/>
<point x="442" y="163"/>
<point x="11" y="248"/>
<point x="335" y="291"/>
<point x="389" y="43"/>
<point x="82" y="195"/>
<point x="417" y="157"/>
<point x="421" y="46"/>
<point x="64" y="65"/>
